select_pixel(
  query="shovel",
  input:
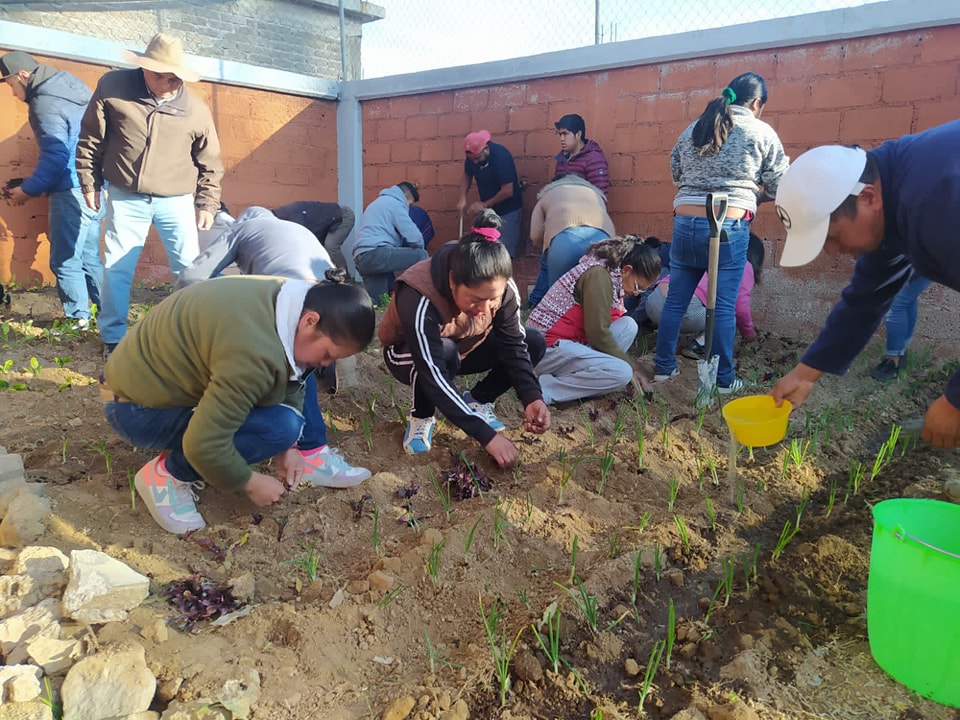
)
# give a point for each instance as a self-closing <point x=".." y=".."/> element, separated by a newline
<point x="716" y="206"/>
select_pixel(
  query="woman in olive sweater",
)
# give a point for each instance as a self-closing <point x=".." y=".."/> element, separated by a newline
<point x="214" y="376"/>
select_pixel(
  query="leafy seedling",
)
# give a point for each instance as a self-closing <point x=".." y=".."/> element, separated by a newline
<point x="197" y="599"/>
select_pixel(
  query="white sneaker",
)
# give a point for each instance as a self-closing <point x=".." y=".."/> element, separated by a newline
<point x="419" y="435"/>
<point x="735" y="386"/>
<point x="326" y="468"/>
<point x="169" y="501"/>
<point x="484" y="410"/>
<point x="660" y="377"/>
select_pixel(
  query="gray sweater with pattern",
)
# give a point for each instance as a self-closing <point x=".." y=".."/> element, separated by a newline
<point x="751" y="158"/>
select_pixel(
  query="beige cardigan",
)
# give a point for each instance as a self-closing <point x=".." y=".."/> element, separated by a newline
<point x="568" y="202"/>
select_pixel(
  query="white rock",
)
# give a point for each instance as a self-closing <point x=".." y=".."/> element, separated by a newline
<point x="11" y="468"/>
<point x="113" y="683"/>
<point x="240" y="695"/>
<point x="8" y="556"/>
<point x="53" y="654"/>
<point x="37" y="621"/>
<point x="244" y="587"/>
<point x="156" y="631"/>
<point x="145" y="715"/>
<point x="47" y="566"/>
<point x="197" y="710"/>
<point x="102" y="589"/>
<point x="19" y="683"/>
<point x="23" y="522"/>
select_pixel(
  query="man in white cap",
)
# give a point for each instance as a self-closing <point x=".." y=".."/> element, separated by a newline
<point x="492" y="165"/>
<point x="152" y="142"/>
<point x="897" y="210"/>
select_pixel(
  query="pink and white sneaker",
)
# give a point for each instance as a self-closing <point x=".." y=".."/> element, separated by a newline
<point x="325" y="467"/>
<point x="169" y="501"/>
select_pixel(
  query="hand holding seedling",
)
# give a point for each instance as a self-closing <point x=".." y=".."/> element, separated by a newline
<point x="941" y="424"/>
<point x="290" y="468"/>
<point x="502" y="450"/>
<point x="537" y="417"/>
<point x="264" y="490"/>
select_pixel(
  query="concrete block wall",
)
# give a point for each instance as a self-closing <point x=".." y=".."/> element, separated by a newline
<point x="860" y="91"/>
<point x="276" y="149"/>
<point x="283" y="34"/>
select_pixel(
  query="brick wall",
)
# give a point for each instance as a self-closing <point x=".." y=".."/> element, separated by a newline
<point x="284" y="34"/>
<point x="857" y="91"/>
<point x="276" y="149"/>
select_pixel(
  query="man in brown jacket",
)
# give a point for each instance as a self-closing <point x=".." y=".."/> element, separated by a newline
<point x="152" y="142"/>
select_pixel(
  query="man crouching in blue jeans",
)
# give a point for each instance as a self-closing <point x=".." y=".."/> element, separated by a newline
<point x="214" y="377"/>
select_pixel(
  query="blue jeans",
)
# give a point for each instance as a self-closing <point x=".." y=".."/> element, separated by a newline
<point x="129" y="216"/>
<point x="267" y="431"/>
<point x="510" y="232"/>
<point x="565" y="250"/>
<point x="378" y="266"/>
<point x="688" y="263"/>
<point x="901" y="318"/>
<point x="75" y="252"/>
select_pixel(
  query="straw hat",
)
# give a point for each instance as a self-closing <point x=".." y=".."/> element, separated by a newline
<point x="164" y="54"/>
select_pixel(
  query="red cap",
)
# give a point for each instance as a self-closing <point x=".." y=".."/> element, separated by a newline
<point x="474" y="142"/>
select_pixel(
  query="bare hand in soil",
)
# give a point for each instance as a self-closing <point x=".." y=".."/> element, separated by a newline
<point x="537" y="416"/>
<point x="796" y="385"/>
<point x="290" y="468"/>
<point x="642" y="380"/>
<point x="941" y="424"/>
<point x="263" y="489"/>
<point x="502" y="450"/>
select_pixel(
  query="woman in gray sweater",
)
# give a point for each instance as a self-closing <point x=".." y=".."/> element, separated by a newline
<point x="727" y="150"/>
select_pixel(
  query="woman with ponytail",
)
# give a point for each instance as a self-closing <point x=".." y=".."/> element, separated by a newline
<point x="458" y="313"/>
<point x="585" y="323"/>
<point x="727" y="150"/>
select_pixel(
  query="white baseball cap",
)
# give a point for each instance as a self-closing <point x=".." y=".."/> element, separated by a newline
<point x="813" y="187"/>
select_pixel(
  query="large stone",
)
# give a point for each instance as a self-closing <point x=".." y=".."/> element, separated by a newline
<point x="46" y="566"/>
<point x="240" y="695"/>
<point x="113" y="683"/>
<point x="33" y="710"/>
<point x="37" y="621"/>
<point x="53" y="654"/>
<point x="399" y="709"/>
<point x="19" y="683"/>
<point x="102" y="589"/>
<point x="197" y="710"/>
<point x="23" y="522"/>
<point x="11" y="468"/>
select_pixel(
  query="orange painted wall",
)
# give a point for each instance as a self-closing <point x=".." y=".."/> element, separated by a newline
<point x="857" y="91"/>
<point x="276" y="149"/>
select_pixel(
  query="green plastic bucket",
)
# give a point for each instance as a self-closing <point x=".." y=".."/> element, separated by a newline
<point x="913" y="596"/>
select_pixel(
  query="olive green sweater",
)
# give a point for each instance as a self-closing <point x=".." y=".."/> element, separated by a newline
<point x="214" y="347"/>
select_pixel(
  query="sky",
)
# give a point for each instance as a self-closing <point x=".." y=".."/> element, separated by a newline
<point x="428" y="34"/>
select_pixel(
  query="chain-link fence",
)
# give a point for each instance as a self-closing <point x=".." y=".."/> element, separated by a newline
<point x="429" y="34"/>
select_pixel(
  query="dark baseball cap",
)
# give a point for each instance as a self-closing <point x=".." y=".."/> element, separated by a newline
<point x="14" y="62"/>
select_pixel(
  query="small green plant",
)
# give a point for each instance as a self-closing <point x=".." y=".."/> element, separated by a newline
<point x="614" y="546"/>
<point x="886" y="451"/>
<point x="62" y="361"/>
<point x="711" y="513"/>
<point x="729" y="573"/>
<point x="384" y="300"/>
<point x="587" y="415"/>
<point x="131" y="480"/>
<point x="49" y="700"/>
<point x="433" y="561"/>
<point x="573" y="558"/>
<point x="653" y="662"/>
<point x="585" y="602"/>
<point x="657" y="560"/>
<point x="500" y="524"/>
<point x="6" y="367"/>
<point x="638" y="528"/>
<point x="786" y="535"/>
<point x="522" y="596"/>
<point x="442" y="492"/>
<point x="100" y="447"/>
<point x="367" y="432"/>
<point x="434" y="658"/>
<point x="674" y="491"/>
<point x="635" y="590"/>
<point x="738" y="495"/>
<point x="375" y="531"/>
<point x="855" y="477"/>
<point x="684" y="533"/>
<point x="392" y="595"/>
<point x="35" y="367"/>
<point x="804" y="501"/>
<point x="468" y="536"/>
<point x="500" y="645"/>
<point x="332" y="427"/>
<point x="832" y="498"/>
<point x="671" y="630"/>
<point x="798" y="451"/>
<point x="606" y="464"/>
<point x="638" y="436"/>
<point x="63" y="451"/>
<point x="308" y="564"/>
<point x="551" y="643"/>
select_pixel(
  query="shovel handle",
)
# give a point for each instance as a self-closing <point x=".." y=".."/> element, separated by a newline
<point x="716" y="206"/>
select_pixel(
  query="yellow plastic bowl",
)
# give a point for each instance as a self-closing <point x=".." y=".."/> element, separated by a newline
<point x="756" y="421"/>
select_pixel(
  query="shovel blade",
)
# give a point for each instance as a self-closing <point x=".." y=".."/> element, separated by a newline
<point x="707" y="381"/>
